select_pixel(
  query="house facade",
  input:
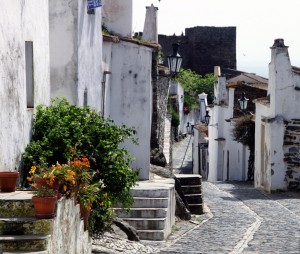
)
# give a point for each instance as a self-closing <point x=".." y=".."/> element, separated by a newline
<point x="128" y="87"/>
<point x="228" y="159"/>
<point x="76" y="52"/>
<point x="277" y="125"/>
<point x="25" y="74"/>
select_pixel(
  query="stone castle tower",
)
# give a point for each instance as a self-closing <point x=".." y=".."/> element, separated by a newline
<point x="204" y="47"/>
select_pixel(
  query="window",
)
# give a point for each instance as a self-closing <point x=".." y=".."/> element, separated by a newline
<point x="85" y="98"/>
<point x="29" y="74"/>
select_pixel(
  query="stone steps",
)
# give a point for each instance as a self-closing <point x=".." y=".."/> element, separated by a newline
<point x="152" y="235"/>
<point x="142" y="213"/>
<point x="146" y="223"/>
<point x="25" y="226"/>
<point x="24" y="243"/>
<point x="20" y="231"/>
<point x="192" y="190"/>
<point x="16" y="208"/>
<point x="150" y="202"/>
<point x="150" y="192"/>
<point x="153" y="210"/>
<point x="25" y="252"/>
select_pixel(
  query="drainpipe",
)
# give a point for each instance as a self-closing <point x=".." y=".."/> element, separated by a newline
<point x="103" y="91"/>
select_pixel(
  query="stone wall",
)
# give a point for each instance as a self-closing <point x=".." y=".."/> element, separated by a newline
<point x="292" y="152"/>
<point x="160" y="101"/>
<point x="202" y="48"/>
<point x="68" y="235"/>
<point x="160" y="92"/>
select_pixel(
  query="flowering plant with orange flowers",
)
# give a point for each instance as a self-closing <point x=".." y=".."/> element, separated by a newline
<point x="41" y="171"/>
<point x="82" y="170"/>
<point x="90" y="193"/>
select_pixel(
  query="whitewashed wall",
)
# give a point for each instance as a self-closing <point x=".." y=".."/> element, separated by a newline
<point x="129" y="98"/>
<point x="21" y="21"/>
<point x="68" y="234"/>
<point x="182" y="117"/>
<point x="228" y="159"/>
<point x="75" y="52"/>
<point x="107" y="66"/>
<point x="272" y="119"/>
<point x="117" y="16"/>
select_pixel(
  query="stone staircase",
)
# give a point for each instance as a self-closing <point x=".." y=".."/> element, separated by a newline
<point x="20" y="232"/>
<point x="191" y="187"/>
<point x="153" y="211"/>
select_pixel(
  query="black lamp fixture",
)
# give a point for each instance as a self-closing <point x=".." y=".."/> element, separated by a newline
<point x="206" y="118"/>
<point x="243" y="102"/>
<point x="174" y="60"/>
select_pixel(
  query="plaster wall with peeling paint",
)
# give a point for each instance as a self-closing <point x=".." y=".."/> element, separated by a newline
<point x="117" y="17"/>
<point x="75" y="52"/>
<point x="129" y="95"/>
<point x="21" y="21"/>
<point x="277" y="148"/>
<point x="228" y="159"/>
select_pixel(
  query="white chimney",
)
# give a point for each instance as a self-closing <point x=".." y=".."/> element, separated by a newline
<point x="203" y="105"/>
<point x="217" y="71"/>
<point x="150" y="26"/>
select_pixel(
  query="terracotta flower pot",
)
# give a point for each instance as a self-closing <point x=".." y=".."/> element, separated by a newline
<point x="44" y="207"/>
<point x="8" y="181"/>
<point x="85" y="214"/>
<point x="40" y="182"/>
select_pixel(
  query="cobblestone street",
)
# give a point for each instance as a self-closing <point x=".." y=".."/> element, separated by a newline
<point x="242" y="220"/>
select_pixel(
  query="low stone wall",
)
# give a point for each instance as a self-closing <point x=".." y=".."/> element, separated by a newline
<point x="68" y="234"/>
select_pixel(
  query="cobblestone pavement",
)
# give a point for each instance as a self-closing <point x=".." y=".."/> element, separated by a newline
<point x="237" y="219"/>
<point x="182" y="156"/>
<point x="244" y="220"/>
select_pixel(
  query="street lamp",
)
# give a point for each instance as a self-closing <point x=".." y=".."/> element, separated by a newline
<point x="243" y="102"/>
<point x="207" y="118"/>
<point x="174" y="60"/>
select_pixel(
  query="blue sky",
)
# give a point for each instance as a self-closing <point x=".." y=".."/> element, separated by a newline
<point x="258" y="23"/>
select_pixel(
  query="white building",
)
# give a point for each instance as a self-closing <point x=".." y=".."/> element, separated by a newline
<point x="76" y="52"/>
<point x="277" y="125"/>
<point x="128" y="88"/>
<point x="228" y="159"/>
<point x="25" y="74"/>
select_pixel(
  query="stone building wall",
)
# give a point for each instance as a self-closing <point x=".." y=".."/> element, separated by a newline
<point x="202" y="48"/>
<point x="160" y="91"/>
<point x="68" y="234"/>
<point x="291" y="147"/>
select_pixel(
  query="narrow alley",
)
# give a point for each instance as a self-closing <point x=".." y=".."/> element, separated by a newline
<point x="243" y="219"/>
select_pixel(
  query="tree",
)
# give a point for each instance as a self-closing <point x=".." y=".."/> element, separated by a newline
<point x="195" y="84"/>
<point x="244" y="133"/>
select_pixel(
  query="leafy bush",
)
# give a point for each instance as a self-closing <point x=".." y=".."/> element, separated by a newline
<point x="175" y="119"/>
<point x="195" y="84"/>
<point x="62" y="132"/>
<point x="244" y="133"/>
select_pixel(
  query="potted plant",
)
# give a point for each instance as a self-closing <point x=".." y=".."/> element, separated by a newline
<point x="40" y="176"/>
<point x="44" y="201"/>
<point x="8" y="181"/>
<point x="82" y="174"/>
<point x="87" y="195"/>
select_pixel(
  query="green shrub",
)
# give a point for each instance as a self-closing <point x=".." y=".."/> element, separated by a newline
<point x="175" y="119"/>
<point x="63" y="131"/>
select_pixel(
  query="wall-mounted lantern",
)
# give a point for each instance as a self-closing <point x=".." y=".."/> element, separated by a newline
<point x="207" y="118"/>
<point x="174" y="60"/>
<point x="243" y="102"/>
